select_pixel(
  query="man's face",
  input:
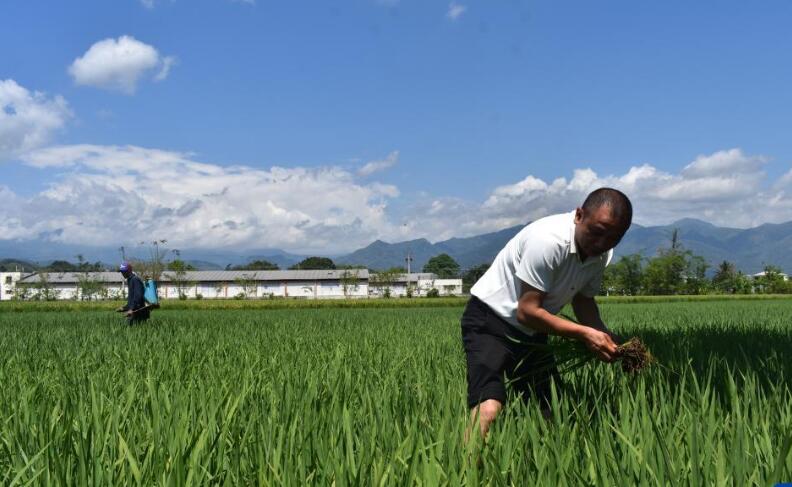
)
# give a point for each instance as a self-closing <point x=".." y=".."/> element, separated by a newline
<point x="597" y="231"/>
<point x="126" y="274"/>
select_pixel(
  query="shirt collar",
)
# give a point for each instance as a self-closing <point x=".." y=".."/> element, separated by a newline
<point x="572" y="245"/>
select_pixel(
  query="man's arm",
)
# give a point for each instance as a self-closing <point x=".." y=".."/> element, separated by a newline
<point x="587" y="312"/>
<point x="531" y="314"/>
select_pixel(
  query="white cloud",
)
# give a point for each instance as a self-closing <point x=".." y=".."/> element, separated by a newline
<point x="104" y="192"/>
<point x="119" y="64"/>
<point x="28" y="119"/>
<point x="147" y="3"/>
<point x="377" y="166"/>
<point x="726" y="188"/>
<point x="727" y="162"/>
<point x="455" y="11"/>
<point x="167" y="63"/>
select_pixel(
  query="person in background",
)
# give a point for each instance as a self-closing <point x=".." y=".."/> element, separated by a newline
<point x="135" y="310"/>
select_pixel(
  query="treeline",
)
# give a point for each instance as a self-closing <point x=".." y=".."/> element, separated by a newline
<point x="675" y="270"/>
<point x="681" y="272"/>
<point x="14" y="265"/>
<point x="443" y="265"/>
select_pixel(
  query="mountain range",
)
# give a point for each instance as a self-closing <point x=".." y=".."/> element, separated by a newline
<point x="749" y="249"/>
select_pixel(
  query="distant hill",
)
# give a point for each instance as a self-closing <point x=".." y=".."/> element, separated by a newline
<point x="472" y="251"/>
<point x="749" y="249"/>
<point x="383" y="255"/>
<point x="14" y="265"/>
<point x="203" y="265"/>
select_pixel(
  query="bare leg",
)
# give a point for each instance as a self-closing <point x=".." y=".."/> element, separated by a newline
<point x="485" y="413"/>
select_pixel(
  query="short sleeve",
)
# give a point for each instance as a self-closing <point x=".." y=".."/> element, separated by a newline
<point x="536" y="267"/>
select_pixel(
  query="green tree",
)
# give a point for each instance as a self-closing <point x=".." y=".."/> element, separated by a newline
<point x="153" y="267"/>
<point x="383" y="282"/>
<point x="724" y="276"/>
<point x="257" y="265"/>
<point x="350" y="281"/>
<point x="314" y="263"/>
<point x="249" y="285"/>
<point x="443" y="265"/>
<point x="624" y="277"/>
<point x="85" y="266"/>
<point x="60" y="266"/>
<point x="772" y="282"/>
<point x="665" y="273"/>
<point x="44" y="290"/>
<point x="88" y="286"/>
<point x="729" y="280"/>
<point x="675" y="271"/>
<point x="178" y="276"/>
<point x="472" y="275"/>
<point x="695" y="279"/>
<point x="178" y="265"/>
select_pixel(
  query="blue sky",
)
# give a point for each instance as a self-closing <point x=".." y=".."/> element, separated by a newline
<point x="467" y="112"/>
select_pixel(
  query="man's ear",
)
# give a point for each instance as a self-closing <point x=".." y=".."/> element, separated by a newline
<point x="579" y="213"/>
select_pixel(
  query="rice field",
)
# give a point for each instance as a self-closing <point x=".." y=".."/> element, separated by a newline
<point x="376" y="396"/>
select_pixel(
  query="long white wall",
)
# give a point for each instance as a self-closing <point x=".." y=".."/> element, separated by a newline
<point x="292" y="289"/>
<point x="321" y="289"/>
<point x="420" y="287"/>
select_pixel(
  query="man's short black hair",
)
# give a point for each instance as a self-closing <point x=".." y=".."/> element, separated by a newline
<point x="618" y="202"/>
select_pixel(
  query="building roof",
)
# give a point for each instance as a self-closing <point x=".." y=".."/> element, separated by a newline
<point x="763" y="273"/>
<point x="223" y="276"/>
<point x="411" y="277"/>
<point x="202" y="276"/>
<point x="72" y="277"/>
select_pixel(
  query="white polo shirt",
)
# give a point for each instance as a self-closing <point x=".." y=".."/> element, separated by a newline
<point x="543" y="255"/>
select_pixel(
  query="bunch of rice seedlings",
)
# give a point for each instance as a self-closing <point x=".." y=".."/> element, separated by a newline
<point x="634" y="356"/>
<point x="570" y="355"/>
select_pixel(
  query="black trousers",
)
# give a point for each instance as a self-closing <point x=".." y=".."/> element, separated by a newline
<point x="498" y="354"/>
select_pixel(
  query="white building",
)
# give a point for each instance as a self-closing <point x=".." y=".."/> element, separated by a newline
<point x="8" y="282"/>
<point x="326" y="284"/>
<point x="419" y="283"/>
<point x="309" y="284"/>
<point x="762" y="274"/>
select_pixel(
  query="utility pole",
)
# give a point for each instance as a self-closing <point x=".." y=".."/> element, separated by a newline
<point x="409" y="260"/>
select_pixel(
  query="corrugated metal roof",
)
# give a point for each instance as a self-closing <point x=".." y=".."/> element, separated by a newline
<point x="215" y="276"/>
<point x="413" y="277"/>
<point x="72" y="277"/>
<point x="205" y="276"/>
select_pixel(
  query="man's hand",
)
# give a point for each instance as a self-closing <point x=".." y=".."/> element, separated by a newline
<point x="600" y="344"/>
<point x="617" y="339"/>
<point x="120" y="309"/>
<point x="130" y="313"/>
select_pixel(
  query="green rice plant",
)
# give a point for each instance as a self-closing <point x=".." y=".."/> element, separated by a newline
<point x="376" y="396"/>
